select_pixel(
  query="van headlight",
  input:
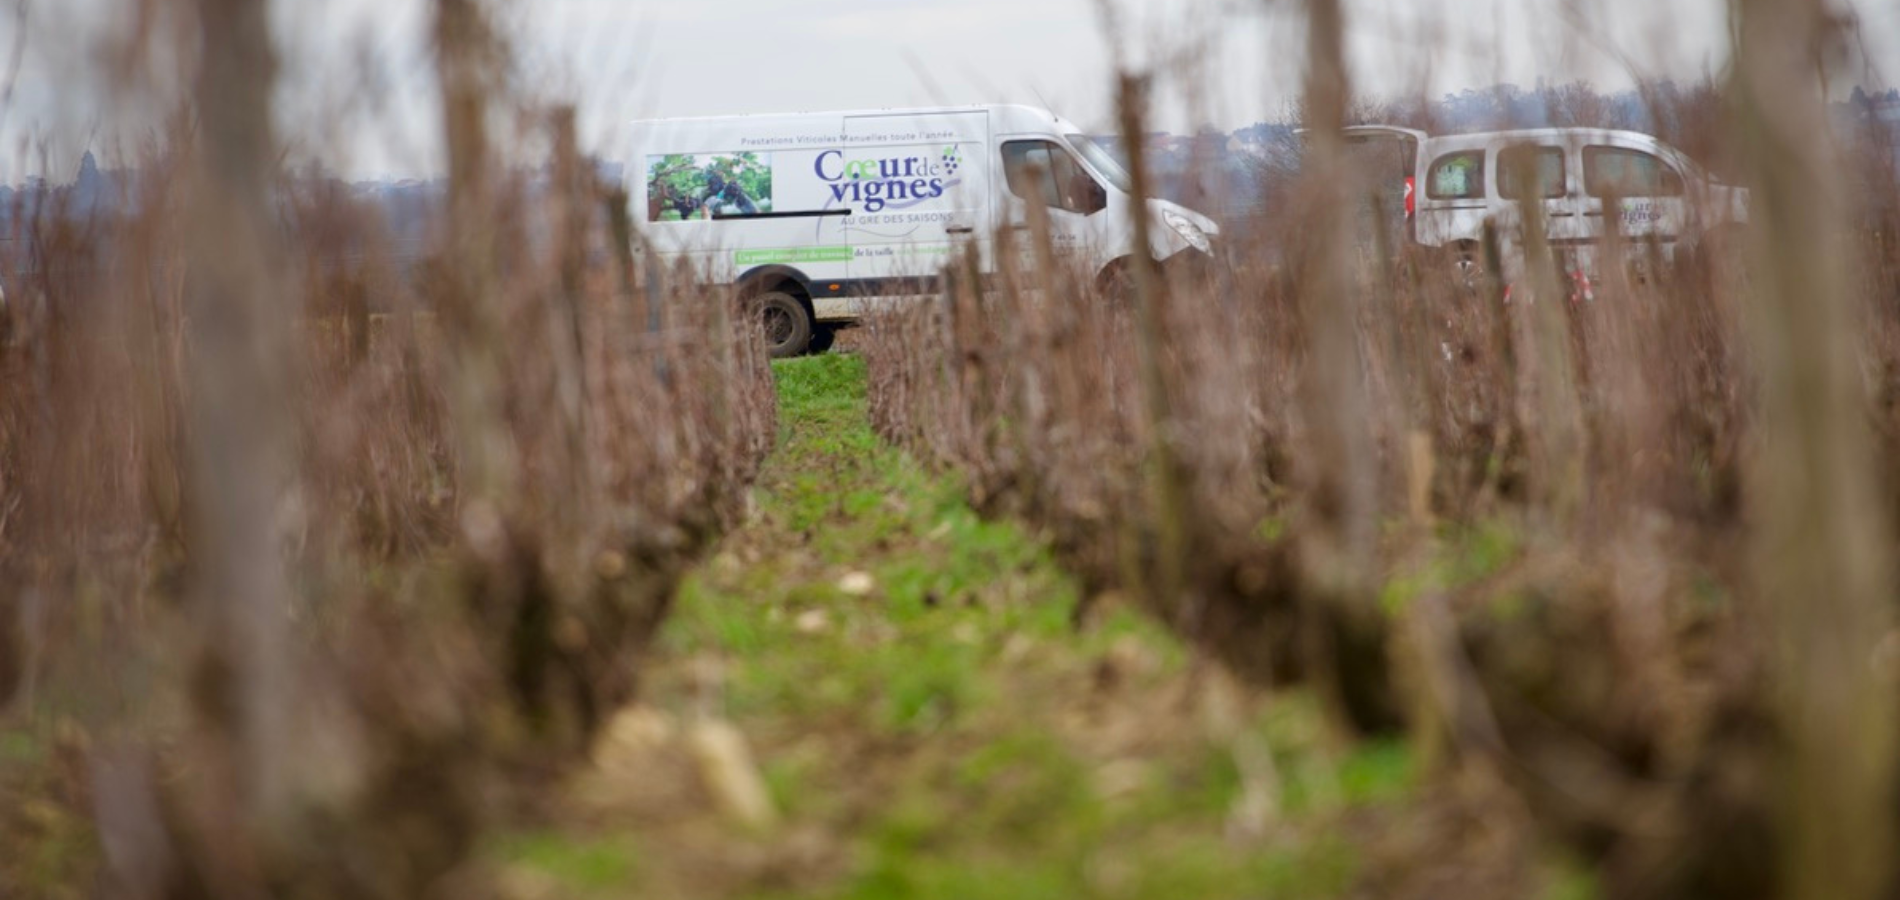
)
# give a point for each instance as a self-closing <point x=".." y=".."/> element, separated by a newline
<point x="1188" y="231"/>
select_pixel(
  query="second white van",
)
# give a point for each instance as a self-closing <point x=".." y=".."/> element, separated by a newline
<point x="1586" y="182"/>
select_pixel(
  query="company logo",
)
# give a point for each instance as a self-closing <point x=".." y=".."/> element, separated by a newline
<point x="894" y="182"/>
<point x="1642" y="213"/>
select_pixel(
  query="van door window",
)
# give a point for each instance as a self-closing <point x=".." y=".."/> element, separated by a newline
<point x="1042" y="169"/>
<point x="1456" y="176"/>
<point x="1518" y="166"/>
<point x="1618" y="172"/>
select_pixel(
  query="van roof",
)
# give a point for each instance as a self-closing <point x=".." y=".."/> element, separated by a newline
<point x="1019" y="109"/>
<point x="1532" y="134"/>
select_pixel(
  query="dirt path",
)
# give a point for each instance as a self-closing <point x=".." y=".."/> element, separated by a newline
<point x="869" y="692"/>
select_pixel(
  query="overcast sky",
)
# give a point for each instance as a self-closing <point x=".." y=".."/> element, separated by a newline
<point x="357" y="83"/>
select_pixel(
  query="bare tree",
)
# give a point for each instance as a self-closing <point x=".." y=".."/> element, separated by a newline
<point x="1333" y="393"/>
<point x="1822" y="545"/>
<point x="238" y="327"/>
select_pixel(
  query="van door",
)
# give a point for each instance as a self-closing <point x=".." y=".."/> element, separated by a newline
<point x="918" y="186"/>
<point x="1642" y="190"/>
<point x="1381" y="171"/>
<point x="1041" y="169"/>
<point x="1453" y="200"/>
<point x="1539" y="172"/>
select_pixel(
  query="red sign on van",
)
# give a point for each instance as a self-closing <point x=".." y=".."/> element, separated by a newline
<point x="1411" y="202"/>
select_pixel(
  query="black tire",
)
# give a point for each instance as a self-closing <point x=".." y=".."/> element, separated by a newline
<point x="1465" y="264"/>
<point x="786" y="321"/>
<point x="822" y="337"/>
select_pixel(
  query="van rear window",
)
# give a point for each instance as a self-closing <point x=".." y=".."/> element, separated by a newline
<point x="1617" y="172"/>
<point x="1540" y="168"/>
<point x="1456" y="176"/>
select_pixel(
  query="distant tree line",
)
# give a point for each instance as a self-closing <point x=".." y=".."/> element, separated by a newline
<point x="1230" y="175"/>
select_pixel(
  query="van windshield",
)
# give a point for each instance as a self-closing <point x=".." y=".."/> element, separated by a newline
<point x="1101" y="161"/>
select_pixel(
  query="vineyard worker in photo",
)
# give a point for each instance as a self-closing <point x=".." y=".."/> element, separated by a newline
<point x="726" y="197"/>
<point x="664" y="196"/>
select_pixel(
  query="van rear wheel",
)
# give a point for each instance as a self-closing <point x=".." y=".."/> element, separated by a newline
<point x="786" y="321"/>
<point x="822" y="337"/>
<point x="1116" y="283"/>
<point x="1466" y="264"/>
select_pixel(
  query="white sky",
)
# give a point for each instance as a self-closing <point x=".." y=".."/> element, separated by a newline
<point x="357" y="90"/>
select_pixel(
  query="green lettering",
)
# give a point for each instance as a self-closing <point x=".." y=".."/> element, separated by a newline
<point x="790" y="255"/>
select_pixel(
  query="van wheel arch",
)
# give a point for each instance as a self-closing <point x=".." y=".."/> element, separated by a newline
<point x="768" y="288"/>
<point x="765" y="279"/>
<point x="1116" y="280"/>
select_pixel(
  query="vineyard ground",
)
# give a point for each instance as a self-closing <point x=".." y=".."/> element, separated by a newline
<point x="925" y="721"/>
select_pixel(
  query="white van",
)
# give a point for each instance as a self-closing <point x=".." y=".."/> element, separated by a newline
<point x="1451" y="185"/>
<point x="814" y="214"/>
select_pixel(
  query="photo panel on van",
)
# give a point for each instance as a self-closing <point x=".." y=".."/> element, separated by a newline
<point x="684" y="187"/>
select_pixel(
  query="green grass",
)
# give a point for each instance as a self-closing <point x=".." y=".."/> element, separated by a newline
<point x="930" y="726"/>
<point x="949" y="586"/>
<point x="1464" y="556"/>
<point x="18" y="746"/>
<point x="579" y="863"/>
<point x="48" y="846"/>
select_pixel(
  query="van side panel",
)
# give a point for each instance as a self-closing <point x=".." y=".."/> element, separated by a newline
<point x="918" y="184"/>
<point x="734" y="195"/>
<point x="861" y="203"/>
<point x="1648" y="191"/>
